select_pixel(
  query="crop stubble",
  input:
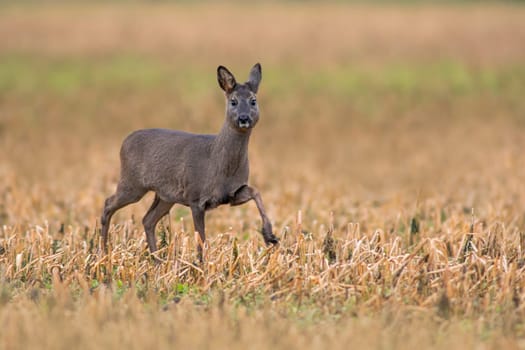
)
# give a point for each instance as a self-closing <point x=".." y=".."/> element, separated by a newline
<point x="399" y="200"/>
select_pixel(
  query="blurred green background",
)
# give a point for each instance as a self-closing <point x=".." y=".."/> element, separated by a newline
<point x="360" y="100"/>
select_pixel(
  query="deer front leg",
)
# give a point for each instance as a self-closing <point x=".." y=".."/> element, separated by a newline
<point x="198" y="223"/>
<point x="246" y="193"/>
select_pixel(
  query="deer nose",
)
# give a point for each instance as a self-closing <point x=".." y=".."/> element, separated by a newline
<point x="244" y="118"/>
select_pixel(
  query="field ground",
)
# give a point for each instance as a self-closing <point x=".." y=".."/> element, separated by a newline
<point x="389" y="155"/>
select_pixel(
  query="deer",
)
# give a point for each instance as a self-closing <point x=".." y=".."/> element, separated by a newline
<point x="198" y="171"/>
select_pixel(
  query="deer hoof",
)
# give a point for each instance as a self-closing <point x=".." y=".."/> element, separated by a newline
<point x="271" y="240"/>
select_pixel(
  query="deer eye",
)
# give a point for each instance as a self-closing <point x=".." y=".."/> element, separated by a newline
<point x="253" y="102"/>
<point x="233" y="102"/>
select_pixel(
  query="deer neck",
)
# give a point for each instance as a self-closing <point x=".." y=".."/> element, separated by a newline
<point x="230" y="150"/>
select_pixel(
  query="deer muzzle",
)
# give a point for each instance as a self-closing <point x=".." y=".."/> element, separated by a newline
<point x="244" y="121"/>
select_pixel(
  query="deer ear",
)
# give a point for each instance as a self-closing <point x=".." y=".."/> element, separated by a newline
<point x="226" y="79"/>
<point x="255" y="78"/>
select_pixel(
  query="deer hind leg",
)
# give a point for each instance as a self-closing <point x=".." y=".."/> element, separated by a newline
<point x="157" y="211"/>
<point x="247" y="193"/>
<point x="123" y="196"/>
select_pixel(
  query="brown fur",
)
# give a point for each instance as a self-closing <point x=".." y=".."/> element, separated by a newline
<point x="198" y="171"/>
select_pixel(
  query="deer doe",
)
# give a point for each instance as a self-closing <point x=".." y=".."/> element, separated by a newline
<point x="198" y="171"/>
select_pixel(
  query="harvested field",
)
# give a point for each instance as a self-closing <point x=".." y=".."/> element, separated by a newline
<point x="389" y="155"/>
